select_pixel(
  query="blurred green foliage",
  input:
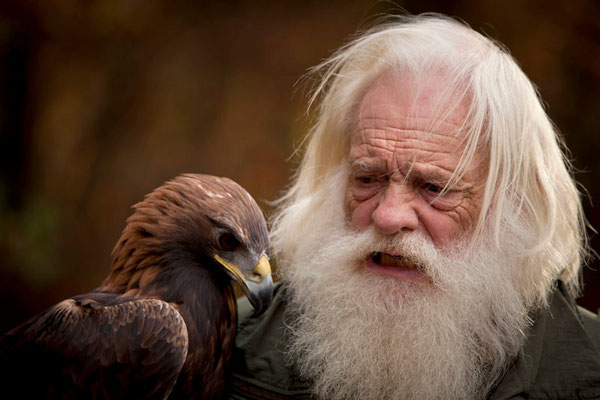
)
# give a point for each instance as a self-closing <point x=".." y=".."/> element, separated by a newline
<point x="32" y="238"/>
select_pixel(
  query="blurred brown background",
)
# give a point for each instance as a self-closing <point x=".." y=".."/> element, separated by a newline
<point x="104" y="100"/>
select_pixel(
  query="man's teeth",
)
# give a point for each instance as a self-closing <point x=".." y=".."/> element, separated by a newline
<point x="392" y="261"/>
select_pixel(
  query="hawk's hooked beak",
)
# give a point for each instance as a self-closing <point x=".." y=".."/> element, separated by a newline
<point x="257" y="284"/>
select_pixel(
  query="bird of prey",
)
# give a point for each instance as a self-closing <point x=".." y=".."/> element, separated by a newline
<point x="162" y="324"/>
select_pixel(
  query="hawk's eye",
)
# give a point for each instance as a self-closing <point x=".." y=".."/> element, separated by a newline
<point x="228" y="242"/>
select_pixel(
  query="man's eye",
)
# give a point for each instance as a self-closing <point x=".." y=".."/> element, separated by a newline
<point x="365" y="179"/>
<point x="431" y="188"/>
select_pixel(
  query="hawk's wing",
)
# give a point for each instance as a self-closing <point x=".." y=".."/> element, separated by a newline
<point x="95" y="347"/>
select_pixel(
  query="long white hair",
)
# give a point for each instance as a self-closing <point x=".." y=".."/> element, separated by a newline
<point x="529" y="195"/>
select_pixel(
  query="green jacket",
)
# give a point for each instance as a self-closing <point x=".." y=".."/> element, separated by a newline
<point x="560" y="360"/>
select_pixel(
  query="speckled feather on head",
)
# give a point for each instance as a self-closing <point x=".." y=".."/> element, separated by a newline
<point x="162" y="324"/>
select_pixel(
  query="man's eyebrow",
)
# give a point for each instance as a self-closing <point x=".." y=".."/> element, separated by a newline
<point x="366" y="166"/>
<point x="432" y="175"/>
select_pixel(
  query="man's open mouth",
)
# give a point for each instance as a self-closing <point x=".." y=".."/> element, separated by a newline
<point x="388" y="260"/>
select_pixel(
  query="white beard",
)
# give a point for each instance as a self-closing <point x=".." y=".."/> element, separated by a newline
<point x="359" y="335"/>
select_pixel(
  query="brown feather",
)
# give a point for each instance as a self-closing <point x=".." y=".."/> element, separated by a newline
<point x="165" y="313"/>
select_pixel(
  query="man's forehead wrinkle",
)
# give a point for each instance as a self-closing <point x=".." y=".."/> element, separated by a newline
<point x="400" y="152"/>
<point x="397" y="128"/>
<point x="398" y="125"/>
<point x="450" y="126"/>
<point x="376" y="140"/>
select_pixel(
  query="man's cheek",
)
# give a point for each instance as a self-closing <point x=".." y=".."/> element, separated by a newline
<point x="358" y="215"/>
<point x="443" y="228"/>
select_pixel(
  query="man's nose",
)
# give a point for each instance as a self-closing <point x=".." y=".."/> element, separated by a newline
<point x="395" y="211"/>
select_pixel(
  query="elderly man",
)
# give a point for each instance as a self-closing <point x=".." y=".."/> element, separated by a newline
<point x="430" y="245"/>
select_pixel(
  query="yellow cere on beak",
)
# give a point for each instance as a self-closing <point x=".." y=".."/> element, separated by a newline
<point x="261" y="271"/>
<point x="257" y="285"/>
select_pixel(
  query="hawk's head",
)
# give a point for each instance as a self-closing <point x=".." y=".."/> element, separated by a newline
<point x="197" y="221"/>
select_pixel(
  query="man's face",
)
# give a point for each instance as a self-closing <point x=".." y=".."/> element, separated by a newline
<point x="430" y="333"/>
<point x="405" y="146"/>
